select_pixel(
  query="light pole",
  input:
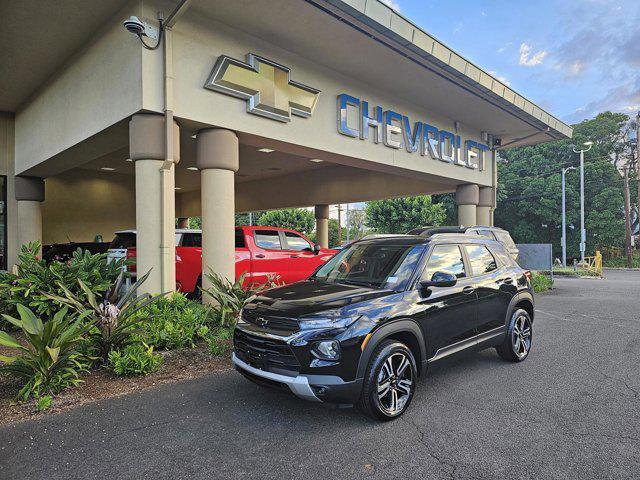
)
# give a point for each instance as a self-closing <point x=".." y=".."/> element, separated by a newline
<point x="564" y="217"/>
<point x="583" y="232"/>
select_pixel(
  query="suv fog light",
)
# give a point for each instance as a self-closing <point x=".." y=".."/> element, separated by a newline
<point x="327" y="350"/>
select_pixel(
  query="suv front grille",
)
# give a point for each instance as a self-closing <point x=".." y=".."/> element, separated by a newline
<point x="284" y="324"/>
<point x="265" y="353"/>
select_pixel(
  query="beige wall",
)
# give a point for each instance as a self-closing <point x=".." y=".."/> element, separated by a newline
<point x="198" y="42"/>
<point x="99" y="86"/>
<point x="81" y="203"/>
<point x="7" y="168"/>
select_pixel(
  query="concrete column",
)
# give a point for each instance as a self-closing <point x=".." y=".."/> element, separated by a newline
<point x="485" y="206"/>
<point x="322" y="225"/>
<point x="467" y="197"/>
<point x="29" y="193"/>
<point x="218" y="160"/>
<point x="183" y="222"/>
<point x="155" y="202"/>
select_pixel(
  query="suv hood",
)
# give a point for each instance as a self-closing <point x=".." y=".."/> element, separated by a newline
<point x="311" y="297"/>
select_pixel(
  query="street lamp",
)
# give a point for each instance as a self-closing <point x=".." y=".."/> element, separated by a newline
<point x="583" y="232"/>
<point x="563" y="241"/>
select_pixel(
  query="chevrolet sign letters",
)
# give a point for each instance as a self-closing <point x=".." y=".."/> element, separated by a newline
<point x="395" y="131"/>
<point x="265" y="85"/>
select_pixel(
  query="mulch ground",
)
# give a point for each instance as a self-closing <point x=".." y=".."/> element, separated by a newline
<point x="98" y="384"/>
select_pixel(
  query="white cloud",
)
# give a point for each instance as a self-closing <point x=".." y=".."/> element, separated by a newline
<point x="502" y="79"/>
<point x="529" y="60"/>
<point x="393" y="4"/>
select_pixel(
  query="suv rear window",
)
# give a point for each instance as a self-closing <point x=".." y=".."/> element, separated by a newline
<point x="123" y="241"/>
<point x="505" y="238"/>
<point x="191" y="240"/>
<point x="481" y="259"/>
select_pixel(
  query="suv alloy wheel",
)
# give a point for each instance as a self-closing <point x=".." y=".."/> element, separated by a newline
<point x="517" y="343"/>
<point x="390" y="381"/>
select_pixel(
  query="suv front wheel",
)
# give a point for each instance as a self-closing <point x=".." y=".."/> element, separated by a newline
<point x="390" y="381"/>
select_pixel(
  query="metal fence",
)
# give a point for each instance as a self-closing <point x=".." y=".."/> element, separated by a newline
<point x="536" y="256"/>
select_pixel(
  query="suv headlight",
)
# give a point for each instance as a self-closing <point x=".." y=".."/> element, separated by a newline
<point x="326" y="322"/>
<point x="326" y="350"/>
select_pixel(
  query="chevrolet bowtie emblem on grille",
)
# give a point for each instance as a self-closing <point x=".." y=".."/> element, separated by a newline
<point x="265" y="85"/>
<point x="263" y="322"/>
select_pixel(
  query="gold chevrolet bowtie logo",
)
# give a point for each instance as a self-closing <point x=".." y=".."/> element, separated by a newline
<point x="265" y="85"/>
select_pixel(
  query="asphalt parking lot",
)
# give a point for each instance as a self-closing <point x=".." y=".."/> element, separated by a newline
<point x="571" y="410"/>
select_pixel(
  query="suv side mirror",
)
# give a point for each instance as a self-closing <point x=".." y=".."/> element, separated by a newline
<point x="440" y="279"/>
<point x="316" y="249"/>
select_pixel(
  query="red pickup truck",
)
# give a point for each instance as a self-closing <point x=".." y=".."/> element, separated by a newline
<point x="260" y="252"/>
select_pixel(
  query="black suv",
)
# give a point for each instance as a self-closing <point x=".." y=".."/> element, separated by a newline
<point x="367" y="323"/>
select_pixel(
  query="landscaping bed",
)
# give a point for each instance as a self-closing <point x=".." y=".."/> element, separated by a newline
<point x="71" y="333"/>
<point x="179" y="365"/>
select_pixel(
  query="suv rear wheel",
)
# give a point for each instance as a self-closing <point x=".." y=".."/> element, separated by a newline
<point x="390" y="381"/>
<point x="517" y="344"/>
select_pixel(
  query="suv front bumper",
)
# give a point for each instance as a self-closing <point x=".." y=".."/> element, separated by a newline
<point x="316" y="388"/>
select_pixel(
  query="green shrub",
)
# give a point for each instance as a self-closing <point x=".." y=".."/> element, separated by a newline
<point x="35" y="279"/>
<point x="220" y="343"/>
<point x="43" y="403"/>
<point x="135" y="359"/>
<point x="175" y="322"/>
<point x="113" y="318"/>
<point x="540" y="282"/>
<point x="49" y="362"/>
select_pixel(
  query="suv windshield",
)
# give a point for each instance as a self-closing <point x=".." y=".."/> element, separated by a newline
<point x="123" y="240"/>
<point x="372" y="265"/>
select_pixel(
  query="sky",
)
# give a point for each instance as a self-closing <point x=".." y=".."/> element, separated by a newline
<point x="574" y="58"/>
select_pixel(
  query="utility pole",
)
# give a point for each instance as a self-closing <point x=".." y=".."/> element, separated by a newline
<point x="346" y="220"/>
<point x="583" y="231"/>
<point x="563" y="240"/>
<point x="638" y="162"/>
<point x="339" y="224"/>
<point x="627" y="218"/>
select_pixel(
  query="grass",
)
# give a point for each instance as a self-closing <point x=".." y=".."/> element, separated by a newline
<point x="568" y="271"/>
<point x="621" y="262"/>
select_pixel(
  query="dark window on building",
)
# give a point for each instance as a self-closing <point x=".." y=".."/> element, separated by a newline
<point x="481" y="259"/>
<point x="268" y="239"/>
<point x="445" y="258"/>
<point x="296" y="242"/>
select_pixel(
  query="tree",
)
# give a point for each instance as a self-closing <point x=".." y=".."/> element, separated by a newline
<point x="448" y="201"/>
<point x="333" y="233"/>
<point x="295" y="218"/>
<point x="530" y="193"/>
<point x="399" y="215"/>
<point x="357" y="224"/>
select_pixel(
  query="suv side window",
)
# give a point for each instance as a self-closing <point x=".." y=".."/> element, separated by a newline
<point x="445" y="258"/>
<point x="296" y="242"/>
<point x="267" y="239"/>
<point x="481" y="259"/>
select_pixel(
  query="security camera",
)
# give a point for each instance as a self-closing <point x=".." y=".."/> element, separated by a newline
<point x="134" y="25"/>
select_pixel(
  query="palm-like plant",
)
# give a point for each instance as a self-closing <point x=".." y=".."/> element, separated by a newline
<point x="229" y="298"/>
<point x="50" y="361"/>
<point x="113" y="315"/>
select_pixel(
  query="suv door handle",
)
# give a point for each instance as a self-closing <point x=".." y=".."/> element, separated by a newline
<point x="507" y="280"/>
<point x="294" y="256"/>
<point x="468" y="290"/>
<point x="259" y="255"/>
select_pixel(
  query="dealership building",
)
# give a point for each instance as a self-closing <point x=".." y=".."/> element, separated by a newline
<point x="245" y="105"/>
